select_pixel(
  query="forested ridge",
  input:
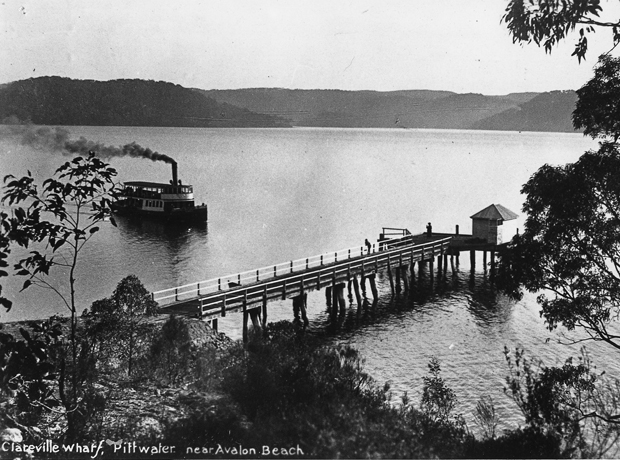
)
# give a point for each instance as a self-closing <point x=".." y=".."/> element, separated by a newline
<point x="65" y="101"/>
<point x="550" y="111"/>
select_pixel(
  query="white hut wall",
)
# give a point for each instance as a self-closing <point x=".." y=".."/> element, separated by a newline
<point x="509" y="230"/>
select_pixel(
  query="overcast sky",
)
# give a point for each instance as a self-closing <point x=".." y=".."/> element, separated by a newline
<point x="456" y="45"/>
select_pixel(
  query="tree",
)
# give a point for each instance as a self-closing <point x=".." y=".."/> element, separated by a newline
<point x="118" y="322"/>
<point x="561" y="402"/>
<point x="597" y="111"/>
<point x="570" y="248"/>
<point x="548" y="22"/>
<point x="63" y="213"/>
<point x="170" y="355"/>
<point x="569" y="252"/>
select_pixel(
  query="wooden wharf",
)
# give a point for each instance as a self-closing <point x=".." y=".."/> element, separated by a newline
<point x="250" y="292"/>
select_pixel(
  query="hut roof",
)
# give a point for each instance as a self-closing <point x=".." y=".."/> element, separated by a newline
<point x="495" y="212"/>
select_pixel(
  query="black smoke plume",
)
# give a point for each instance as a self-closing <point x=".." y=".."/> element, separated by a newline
<point x="57" y="140"/>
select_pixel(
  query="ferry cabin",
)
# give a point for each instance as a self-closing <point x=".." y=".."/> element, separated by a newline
<point x="158" y="197"/>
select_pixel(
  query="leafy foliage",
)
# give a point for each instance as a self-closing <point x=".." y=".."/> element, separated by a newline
<point x="598" y="108"/>
<point x="438" y="400"/>
<point x="295" y="390"/>
<point x="27" y="367"/>
<point x="118" y="324"/>
<point x="55" y="217"/>
<point x="169" y="359"/>
<point x="5" y="250"/>
<point x="548" y="22"/>
<point x="569" y="253"/>
<point x="208" y="425"/>
<point x="564" y="402"/>
<point x="570" y="248"/>
<point x="286" y="389"/>
<point x="520" y="443"/>
<point x="486" y="417"/>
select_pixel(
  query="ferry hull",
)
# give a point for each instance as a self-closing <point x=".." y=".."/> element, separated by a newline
<point x="198" y="214"/>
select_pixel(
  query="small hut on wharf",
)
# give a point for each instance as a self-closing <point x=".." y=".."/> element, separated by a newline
<point x="490" y="224"/>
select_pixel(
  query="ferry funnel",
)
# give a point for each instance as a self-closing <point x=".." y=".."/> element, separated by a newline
<point x="175" y="174"/>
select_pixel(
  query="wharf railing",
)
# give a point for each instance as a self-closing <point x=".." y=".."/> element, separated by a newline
<point x="288" y="279"/>
<point x="394" y="231"/>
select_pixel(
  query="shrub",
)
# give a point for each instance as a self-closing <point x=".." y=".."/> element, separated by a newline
<point x="295" y="391"/>
<point x="520" y="443"/>
<point x="118" y="325"/>
<point x="486" y="417"/>
<point x="438" y="400"/>
<point x="169" y="359"/>
<point x="570" y="403"/>
<point x="207" y="425"/>
<point x="28" y="373"/>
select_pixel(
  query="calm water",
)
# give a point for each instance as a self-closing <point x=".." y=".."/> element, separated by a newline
<point x="282" y="194"/>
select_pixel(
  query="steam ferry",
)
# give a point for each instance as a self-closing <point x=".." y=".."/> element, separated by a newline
<point x="173" y="202"/>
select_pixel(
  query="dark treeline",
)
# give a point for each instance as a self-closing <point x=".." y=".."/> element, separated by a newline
<point x="64" y="101"/>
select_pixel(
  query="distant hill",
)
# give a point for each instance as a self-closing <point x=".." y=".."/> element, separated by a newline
<point x="63" y="101"/>
<point x="550" y="111"/>
<point x="520" y="98"/>
<point x="391" y="109"/>
<point x="426" y="94"/>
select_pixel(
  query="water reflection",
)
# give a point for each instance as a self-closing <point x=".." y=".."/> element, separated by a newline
<point x="162" y="254"/>
<point x="461" y="307"/>
<point x="487" y="307"/>
<point x="170" y="233"/>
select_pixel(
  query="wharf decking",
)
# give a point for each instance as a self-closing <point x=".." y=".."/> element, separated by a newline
<point x="252" y="290"/>
<point x="249" y="289"/>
